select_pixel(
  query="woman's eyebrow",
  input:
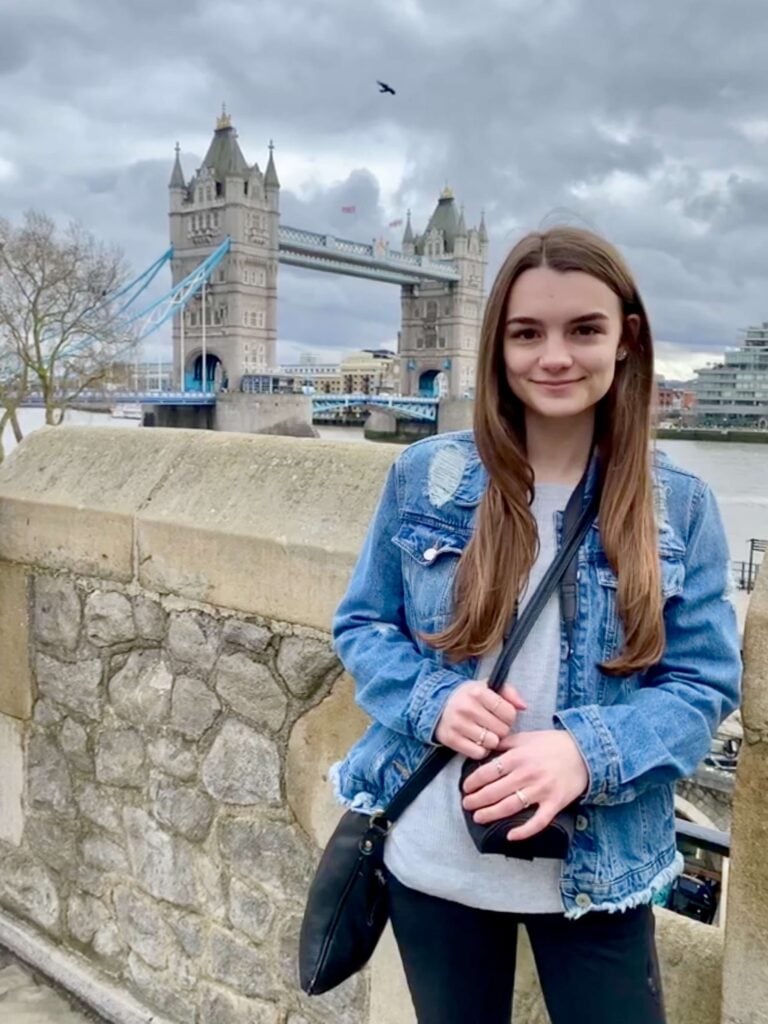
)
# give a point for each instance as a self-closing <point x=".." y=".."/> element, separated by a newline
<point x="597" y="315"/>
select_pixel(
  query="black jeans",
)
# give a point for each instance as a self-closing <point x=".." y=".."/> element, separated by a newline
<point x="460" y="962"/>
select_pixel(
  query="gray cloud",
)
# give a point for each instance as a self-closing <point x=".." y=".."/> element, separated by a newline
<point x="643" y="120"/>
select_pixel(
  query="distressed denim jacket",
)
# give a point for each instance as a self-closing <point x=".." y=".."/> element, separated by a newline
<point x="637" y="734"/>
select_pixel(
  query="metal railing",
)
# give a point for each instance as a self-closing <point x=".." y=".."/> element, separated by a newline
<point x="710" y="839"/>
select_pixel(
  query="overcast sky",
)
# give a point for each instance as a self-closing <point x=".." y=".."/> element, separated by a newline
<point x="646" y="120"/>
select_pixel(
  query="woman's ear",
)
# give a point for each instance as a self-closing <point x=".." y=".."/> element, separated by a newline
<point x="628" y="336"/>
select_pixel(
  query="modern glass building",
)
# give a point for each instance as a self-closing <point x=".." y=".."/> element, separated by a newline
<point x="735" y="392"/>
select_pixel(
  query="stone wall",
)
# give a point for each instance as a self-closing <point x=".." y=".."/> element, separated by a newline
<point x="168" y="709"/>
<point x="158" y="840"/>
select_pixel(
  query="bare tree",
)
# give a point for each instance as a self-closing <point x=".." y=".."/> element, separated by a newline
<point x="61" y="322"/>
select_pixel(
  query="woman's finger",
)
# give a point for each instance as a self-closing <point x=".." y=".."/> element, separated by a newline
<point x="502" y="709"/>
<point x="497" y="788"/>
<point x="496" y="770"/>
<point x="480" y="726"/>
<point x="511" y="804"/>
<point x="543" y="816"/>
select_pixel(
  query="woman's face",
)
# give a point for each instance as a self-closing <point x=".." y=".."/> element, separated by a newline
<point x="562" y="340"/>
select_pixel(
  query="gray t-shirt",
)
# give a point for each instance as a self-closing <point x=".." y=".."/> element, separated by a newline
<point x="430" y="849"/>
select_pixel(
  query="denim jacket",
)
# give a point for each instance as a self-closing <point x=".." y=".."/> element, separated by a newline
<point x="637" y="734"/>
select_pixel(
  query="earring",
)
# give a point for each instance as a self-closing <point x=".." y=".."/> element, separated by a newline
<point x="621" y="355"/>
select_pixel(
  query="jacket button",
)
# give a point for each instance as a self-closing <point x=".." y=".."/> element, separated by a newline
<point x="581" y="823"/>
<point x="430" y="554"/>
<point x="583" y="901"/>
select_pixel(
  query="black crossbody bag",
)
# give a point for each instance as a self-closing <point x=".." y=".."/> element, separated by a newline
<point x="347" y="906"/>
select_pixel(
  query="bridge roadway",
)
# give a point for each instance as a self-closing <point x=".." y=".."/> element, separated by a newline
<point x="403" y="407"/>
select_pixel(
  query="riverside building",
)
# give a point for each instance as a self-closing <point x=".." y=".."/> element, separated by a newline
<point x="735" y="392"/>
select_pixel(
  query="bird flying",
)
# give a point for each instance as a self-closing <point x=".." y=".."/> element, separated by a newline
<point x="383" y="87"/>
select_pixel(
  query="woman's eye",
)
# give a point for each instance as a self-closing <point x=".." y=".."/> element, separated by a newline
<point x="524" y="334"/>
<point x="585" y="330"/>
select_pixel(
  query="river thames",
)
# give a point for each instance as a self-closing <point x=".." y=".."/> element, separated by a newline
<point x="737" y="473"/>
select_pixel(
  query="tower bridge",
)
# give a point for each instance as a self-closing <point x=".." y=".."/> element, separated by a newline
<point x="226" y="327"/>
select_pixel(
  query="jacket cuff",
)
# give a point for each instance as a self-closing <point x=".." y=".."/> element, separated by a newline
<point x="600" y="753"/>
<point x="428" y="699"/>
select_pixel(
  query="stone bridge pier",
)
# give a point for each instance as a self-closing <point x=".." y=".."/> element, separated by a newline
<point x="169" y="707"/>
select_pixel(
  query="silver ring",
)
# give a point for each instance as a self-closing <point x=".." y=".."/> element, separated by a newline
<point x="483" y="734"/>
<point x="500" y="769"/>
<point x="520" y="794"/>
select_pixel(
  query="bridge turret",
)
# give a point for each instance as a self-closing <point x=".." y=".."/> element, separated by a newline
<point x="441" y="320"/>
<point x="227" y="196"/>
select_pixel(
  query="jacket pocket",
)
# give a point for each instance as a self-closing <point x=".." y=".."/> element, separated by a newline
<point x="430" y="556"/>
<point x="611" y="629"/>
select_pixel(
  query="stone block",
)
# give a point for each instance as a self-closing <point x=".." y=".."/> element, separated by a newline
<point x="140" y="691"/>
<point x="163" y="864"/>
<point x="28" y="889"/>
<point x="142" y="926"/>
<point x="46" y="713"/>
<point x="273" y="854"/>
<point x="58" y="612"/>
<point x="242" y="767"/>
<point x="305" y="663"/>
<point x="239" y="965"/>
<point x="174" y="756"/>
<point x="248" y="635"/>
<point x="100" y="805"/>
<point x="12" y="776"/>
<point x="250" y="910"/>
<point x="183" y="809"/>
<point x="104" y="853"/>
<point x="54" y="842"/>
<point x="108" y="945"/>
<point x="16" y="685"/>
<point x="194" y="708"/>
<point x="150" y="617"/>
<point x="190" y="930"/>
<point x="320" y="737"/>
<point x="109" y="618"/>
<point x="193" y="642"/>
<point x="85" y="915"/>
<point x="250" y="689"/>
<point x="76" y="687"/>
<point x="49" y="784"/>
<point x="221" y="1006"/>
<point x="120" y="757"/>
<point x="73" y="740"/>
<point x="171" y="992"/>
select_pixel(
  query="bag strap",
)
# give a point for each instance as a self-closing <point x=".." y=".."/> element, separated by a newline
<point x="437" y="758"/>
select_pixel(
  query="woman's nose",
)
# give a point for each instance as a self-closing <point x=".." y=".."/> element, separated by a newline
<point x="555" y="353"/>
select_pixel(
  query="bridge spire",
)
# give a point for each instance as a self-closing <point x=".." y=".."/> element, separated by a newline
<point x="408" y="233"/>
<point x="271" y="179"/>
<point x="177" y="175"/>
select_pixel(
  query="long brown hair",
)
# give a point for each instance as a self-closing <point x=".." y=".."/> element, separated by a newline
<point x="492" y="571"/>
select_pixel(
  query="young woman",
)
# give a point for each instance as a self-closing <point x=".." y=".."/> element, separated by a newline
<point x="605" y="711"/>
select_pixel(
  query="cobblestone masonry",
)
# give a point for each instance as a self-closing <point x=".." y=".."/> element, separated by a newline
<point x="158" y="840"/>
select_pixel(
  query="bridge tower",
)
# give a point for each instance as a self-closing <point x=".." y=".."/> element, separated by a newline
<point x="226" y="196"/>
<point x="441" y="320"/>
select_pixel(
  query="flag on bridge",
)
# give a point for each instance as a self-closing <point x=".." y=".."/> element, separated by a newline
<point x="349" y="209"/>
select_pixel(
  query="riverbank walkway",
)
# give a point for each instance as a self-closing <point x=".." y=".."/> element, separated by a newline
<point x="26" y="998"/>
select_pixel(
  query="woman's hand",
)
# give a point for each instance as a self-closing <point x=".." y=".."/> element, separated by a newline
<point x="546" y="767"/>
<point x="475" y="719"/>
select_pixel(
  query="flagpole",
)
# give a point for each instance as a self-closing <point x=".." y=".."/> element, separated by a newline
<point x="205" y="365"/>
<point x="181" y="340"/>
